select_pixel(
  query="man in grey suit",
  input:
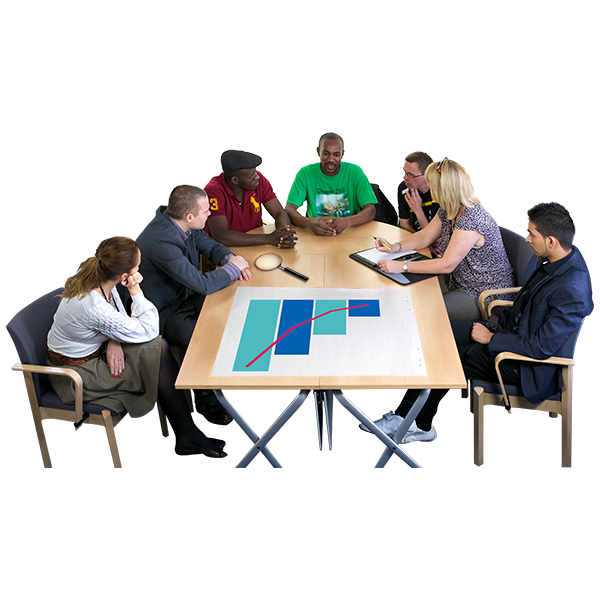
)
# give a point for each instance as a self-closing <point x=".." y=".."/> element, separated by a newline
<point x="171" y="246"/>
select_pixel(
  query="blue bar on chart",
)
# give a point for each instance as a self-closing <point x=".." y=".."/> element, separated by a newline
<point x="296" y="341"/>
<point x="258" y="333"/>
<point x="332" y="324"/>
<point x="371" y="310"/>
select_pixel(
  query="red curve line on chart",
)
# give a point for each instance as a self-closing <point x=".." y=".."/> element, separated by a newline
<point x="294" y="327"/>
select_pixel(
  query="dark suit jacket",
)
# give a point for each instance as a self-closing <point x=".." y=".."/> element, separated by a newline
<point x="552" y="314"/>
<point x="170" y="264"/>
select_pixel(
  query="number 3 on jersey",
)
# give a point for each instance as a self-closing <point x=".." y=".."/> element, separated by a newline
<point x="214" y="205"/>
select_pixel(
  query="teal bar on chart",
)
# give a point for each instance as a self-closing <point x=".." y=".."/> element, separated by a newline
<point x="332" y="324"/>
<point x="258" y="334"/>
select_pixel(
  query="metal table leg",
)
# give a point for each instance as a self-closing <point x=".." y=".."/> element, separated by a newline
<point x="408" y="421"/>
<point x="261" y="443"/>
<point x="319" y="410"/>
<point x="329" y="415"/>
<point x="326" y="399"/>
<point x="391" y="445"/>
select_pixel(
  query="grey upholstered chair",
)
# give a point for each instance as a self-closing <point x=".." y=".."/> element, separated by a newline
<point x="29" y="330"/>
<point x="520" y="257"/>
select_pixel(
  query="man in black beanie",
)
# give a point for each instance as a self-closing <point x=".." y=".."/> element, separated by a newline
<point x="236" y="197"/>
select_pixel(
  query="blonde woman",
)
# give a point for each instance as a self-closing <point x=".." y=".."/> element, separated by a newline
<point x="473" y="253"/>
<point x="122" y="360"/>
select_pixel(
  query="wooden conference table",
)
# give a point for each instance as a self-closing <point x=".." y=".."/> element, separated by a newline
<point x="326" y="260"/>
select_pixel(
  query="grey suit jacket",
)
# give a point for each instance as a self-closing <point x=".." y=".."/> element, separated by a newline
<point x="171" y="264"/>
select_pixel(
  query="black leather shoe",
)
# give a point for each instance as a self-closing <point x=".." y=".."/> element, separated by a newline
<point x="219" y="444"/>
<point x="214" y="413"/>
<point x="185" y="450"/>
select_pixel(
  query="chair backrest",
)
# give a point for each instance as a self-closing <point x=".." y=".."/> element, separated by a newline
<point x="384" y="210"/>
<point x="29" y="331"/>
<point x="568" y="350"/>
<point x="519" y="253"/>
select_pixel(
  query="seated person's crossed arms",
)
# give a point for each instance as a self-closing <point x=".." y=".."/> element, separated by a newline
<point x="337" y="194"/>
<point x="235" y="200"/>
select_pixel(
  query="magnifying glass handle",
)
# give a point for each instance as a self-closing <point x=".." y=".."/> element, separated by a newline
<point x="299" y="275"/>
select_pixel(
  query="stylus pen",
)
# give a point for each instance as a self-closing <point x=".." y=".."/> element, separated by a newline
<point x="384" y="245"/>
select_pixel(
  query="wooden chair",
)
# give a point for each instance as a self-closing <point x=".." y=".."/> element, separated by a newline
<point x="29" y="330"/>
<point x="484" y="393"/>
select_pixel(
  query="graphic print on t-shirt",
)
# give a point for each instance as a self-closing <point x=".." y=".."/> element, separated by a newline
<point x="332" y="205"/>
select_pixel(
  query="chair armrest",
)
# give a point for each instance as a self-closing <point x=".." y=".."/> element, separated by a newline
<point x="553" y="360"/>
<point x="61" y="371"/>
<point x="494" y="303"/>
<point x="487" y="293"/>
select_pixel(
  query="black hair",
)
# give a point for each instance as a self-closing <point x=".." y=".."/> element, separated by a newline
<point x="333" y="137"/>
<point x="421" y="158"/>
<point x="553" y="219"/>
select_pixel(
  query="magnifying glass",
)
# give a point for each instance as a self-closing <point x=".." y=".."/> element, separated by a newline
<point x="270" y="261"/>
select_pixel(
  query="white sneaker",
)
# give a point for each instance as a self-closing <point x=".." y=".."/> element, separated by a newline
<point x="418" y="435"/>
<point x="389" y="424"/>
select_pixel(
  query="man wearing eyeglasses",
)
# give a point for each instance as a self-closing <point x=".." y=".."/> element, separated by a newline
<point x="416" y="207"/>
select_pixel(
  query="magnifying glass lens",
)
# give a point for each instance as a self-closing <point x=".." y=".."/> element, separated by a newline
<point x="268" y="262"/>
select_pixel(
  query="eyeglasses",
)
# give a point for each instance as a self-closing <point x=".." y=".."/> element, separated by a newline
<point x="439" y="167"/>
<point x="412" y="175"/>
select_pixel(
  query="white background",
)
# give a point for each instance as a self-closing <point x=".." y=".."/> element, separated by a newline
<point x="289" y="71"/>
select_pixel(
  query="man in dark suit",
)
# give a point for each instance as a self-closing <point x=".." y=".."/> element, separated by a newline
<point x="171" y="246"/>
<point x="547" y="310"/>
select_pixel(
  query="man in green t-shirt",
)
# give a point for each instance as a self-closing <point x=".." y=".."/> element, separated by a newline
<point x="338" y="195"/>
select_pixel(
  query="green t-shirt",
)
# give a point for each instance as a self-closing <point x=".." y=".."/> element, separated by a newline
<point x="342" y="195"/>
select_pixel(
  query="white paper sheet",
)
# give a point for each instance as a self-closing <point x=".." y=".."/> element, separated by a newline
<point x="384" y="345"/>
<point x="375" y="256"/>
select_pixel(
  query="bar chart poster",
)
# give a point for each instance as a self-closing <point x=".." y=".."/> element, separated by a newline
<point x="288" y="332"/>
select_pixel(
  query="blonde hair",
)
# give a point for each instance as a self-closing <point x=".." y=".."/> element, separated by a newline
<point x="113" y="257"/>
<point x="450" y="186"/>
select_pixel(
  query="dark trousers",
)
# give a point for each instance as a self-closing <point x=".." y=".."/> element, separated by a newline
<point x="179" y="326"/>
<point x="178" y="329"/>
<point x="477" y="363"/>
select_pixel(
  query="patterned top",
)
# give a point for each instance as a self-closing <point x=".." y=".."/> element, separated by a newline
<point x="483" y="268"/>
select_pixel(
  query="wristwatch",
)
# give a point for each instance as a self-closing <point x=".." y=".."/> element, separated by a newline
<point x="405" y="266"/>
